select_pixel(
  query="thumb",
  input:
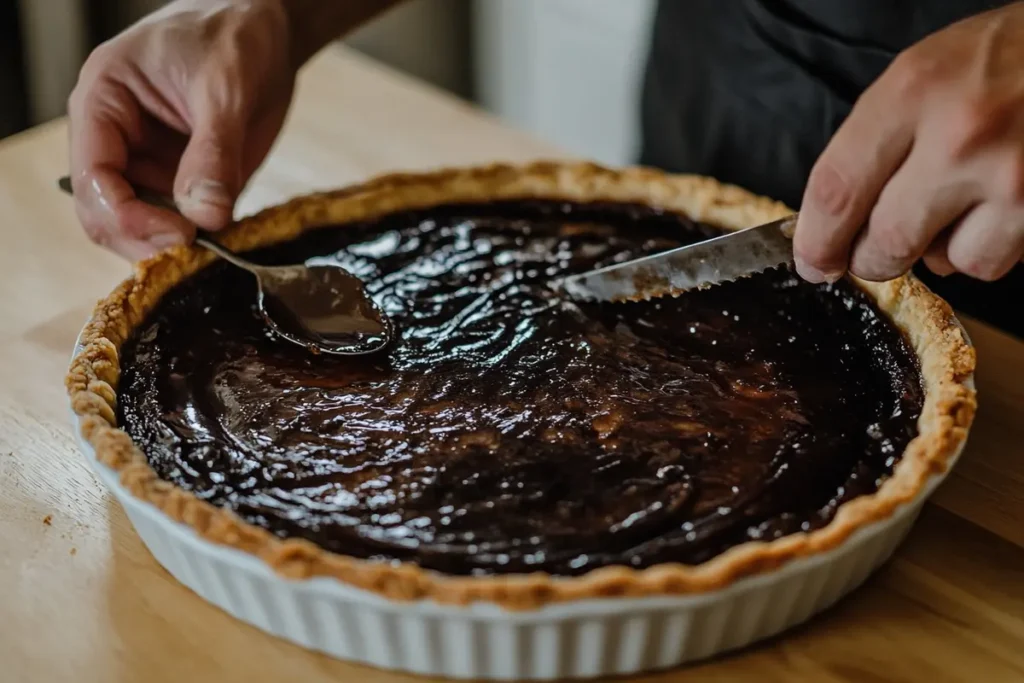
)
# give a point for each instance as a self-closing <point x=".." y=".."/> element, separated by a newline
<point x="209" y="174"/>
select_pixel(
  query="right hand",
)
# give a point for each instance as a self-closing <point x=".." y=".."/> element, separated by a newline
<point x="187" y="103"/>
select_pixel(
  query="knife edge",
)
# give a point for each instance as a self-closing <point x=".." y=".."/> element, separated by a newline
<point x="708" y="263"/>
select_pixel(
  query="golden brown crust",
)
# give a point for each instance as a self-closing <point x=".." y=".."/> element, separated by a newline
<point x="947" y="362"/>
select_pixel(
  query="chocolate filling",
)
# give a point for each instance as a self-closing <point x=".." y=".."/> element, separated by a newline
<point x="508" y="430"/>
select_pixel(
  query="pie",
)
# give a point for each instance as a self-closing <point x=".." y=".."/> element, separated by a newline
<point x="514" y="446"/>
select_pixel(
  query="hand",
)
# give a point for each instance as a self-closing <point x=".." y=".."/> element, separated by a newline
<point x="929" y="163"/>
<point x="187" y="102"/>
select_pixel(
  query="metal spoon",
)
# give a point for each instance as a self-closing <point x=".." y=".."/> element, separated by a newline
<point x="322" y="307"/>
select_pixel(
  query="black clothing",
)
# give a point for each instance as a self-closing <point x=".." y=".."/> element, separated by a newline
<point x="750" y="91"/>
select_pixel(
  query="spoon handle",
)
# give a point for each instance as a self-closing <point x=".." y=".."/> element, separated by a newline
<point x="162" y="201"/>
<point x="148" y="196"/>
<point x="225" y="253"/>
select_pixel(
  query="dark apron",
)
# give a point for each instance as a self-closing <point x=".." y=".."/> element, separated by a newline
<point x="750" y="91"/>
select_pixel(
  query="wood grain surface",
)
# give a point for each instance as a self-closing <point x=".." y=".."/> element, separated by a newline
<point x="82" y="600"/>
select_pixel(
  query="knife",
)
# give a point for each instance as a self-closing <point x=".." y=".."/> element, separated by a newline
<point x="696" y="266"/>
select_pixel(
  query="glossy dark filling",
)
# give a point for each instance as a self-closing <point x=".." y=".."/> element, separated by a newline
<point x="510" y="431"/>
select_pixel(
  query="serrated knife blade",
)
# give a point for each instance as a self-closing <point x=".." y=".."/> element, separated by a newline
<point x="695" y="266"/>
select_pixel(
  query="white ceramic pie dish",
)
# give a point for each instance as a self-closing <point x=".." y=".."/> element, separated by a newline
<point x="580" y="639"/>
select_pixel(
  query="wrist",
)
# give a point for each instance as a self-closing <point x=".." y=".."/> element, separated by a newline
<point x="312" y="24"/>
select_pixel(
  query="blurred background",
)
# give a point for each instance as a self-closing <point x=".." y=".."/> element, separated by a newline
<point x="567" y="70"/>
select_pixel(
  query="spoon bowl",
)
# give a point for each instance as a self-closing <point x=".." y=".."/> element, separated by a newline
<point x="323" y="308"/>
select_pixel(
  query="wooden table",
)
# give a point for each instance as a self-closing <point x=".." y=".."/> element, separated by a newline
<point x="82" y="600"/>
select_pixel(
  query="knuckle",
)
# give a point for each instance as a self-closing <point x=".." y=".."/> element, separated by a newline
<point x="124" y="226"/>
<point x="95" y="65"/>
<point x="977" y="266"/>
<point x="974" y="123"/>
<point x="829" y="189"/>
<point x="913" y="72"/>
<point x="893" y="240"/>
<point x="107" y="64"/>
<point x="98" y="61"/>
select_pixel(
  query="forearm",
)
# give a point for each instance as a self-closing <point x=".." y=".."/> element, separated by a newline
<point x="315" y="23"/>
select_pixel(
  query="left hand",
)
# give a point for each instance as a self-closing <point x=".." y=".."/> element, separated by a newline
<point x="930" y="163"/>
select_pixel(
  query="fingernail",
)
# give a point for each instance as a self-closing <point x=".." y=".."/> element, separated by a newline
<point x="208" y="192"/>
<point x="166" y="240"/>
<point x="814" y="275"/>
